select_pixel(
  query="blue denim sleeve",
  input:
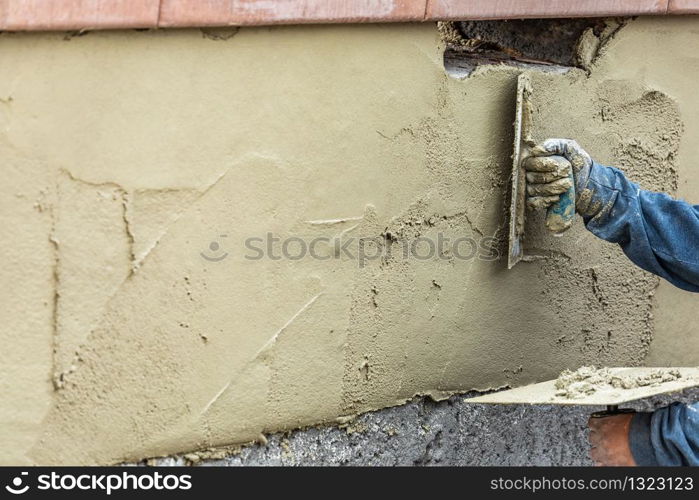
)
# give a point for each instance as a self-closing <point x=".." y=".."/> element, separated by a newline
<point x="655" y="231"/>
<point x="668" y="436"/>
<point x="661" y="235"/>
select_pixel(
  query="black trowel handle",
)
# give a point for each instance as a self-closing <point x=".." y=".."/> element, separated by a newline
<point x="611" y="410"/>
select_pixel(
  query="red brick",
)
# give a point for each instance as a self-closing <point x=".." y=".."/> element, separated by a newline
<point x="683" y="7"/>
<point x="181" y="13"/>
<point x="513" y="9"/>
<point x="27" y="15"/>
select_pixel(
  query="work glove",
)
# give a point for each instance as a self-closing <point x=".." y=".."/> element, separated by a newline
<point x="609" y="439"/>
<point x="555" y="165"/>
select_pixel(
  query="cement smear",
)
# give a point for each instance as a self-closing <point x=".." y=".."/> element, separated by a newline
<point x="588" y="380"/>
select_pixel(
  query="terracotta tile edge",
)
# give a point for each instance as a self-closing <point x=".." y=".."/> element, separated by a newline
<point x="430" y="12"/>
<point x="678" y="7"/>
<point x="441" y="10"/>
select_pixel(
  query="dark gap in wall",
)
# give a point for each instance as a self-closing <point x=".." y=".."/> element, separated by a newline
<point x="547" y="44"/>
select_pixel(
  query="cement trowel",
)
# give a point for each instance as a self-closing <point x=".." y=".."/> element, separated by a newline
<point x="559" y="216"/>
<point x="606" y="395"/>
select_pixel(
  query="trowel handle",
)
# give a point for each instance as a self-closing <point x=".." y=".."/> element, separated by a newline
<point x="560" y="215"/>
<point x="611" y="410"/>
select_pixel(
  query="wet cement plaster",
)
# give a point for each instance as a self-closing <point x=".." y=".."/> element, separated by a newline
<point x="130" y="156"/>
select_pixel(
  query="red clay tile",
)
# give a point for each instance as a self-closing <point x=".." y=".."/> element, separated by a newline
<point x="181" y="13"/>
<point x="29" y="15"/>
<point x="683" y="7"/>
<point x="26" y="15"/>
<point x="509" y="9"/>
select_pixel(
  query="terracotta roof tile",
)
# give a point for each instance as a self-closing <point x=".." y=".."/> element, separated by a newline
<point x="28" y="15"/>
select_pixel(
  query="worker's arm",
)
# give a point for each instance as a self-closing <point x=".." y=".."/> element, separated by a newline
<point x="661" y="235"/>
<point x="658" y="233"/>
<point x="667" y="436"/>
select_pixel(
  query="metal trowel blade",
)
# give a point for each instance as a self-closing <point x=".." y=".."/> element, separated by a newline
<point x="518" y="187"/>
<point x="546" y="393"/>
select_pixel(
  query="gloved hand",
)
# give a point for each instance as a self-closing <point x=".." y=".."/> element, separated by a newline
<point x="548" y="171"/>
<point x="609" y="439"/>
<point x="548" y="177"/>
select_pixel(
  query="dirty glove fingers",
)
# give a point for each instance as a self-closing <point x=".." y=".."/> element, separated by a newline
<point x="561" y="147"/>
<point x="551" y="164"/>
<point x="541" y="164"/>
<point x="539" y="202"/>
<point x="567" y="148"/>
<point x="552" y="188"/>
<point x="544" y="177"/>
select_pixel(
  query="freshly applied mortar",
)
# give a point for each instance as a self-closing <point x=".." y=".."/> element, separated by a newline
<point x="187" y="353"/>
<point x="588" y="379"/>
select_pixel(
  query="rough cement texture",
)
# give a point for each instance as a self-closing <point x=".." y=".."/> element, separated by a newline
<point x="126" y="155"/>
<point x="424" y="432"/>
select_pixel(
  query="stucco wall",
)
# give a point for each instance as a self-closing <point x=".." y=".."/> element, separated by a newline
<point x="126" y="154"/>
